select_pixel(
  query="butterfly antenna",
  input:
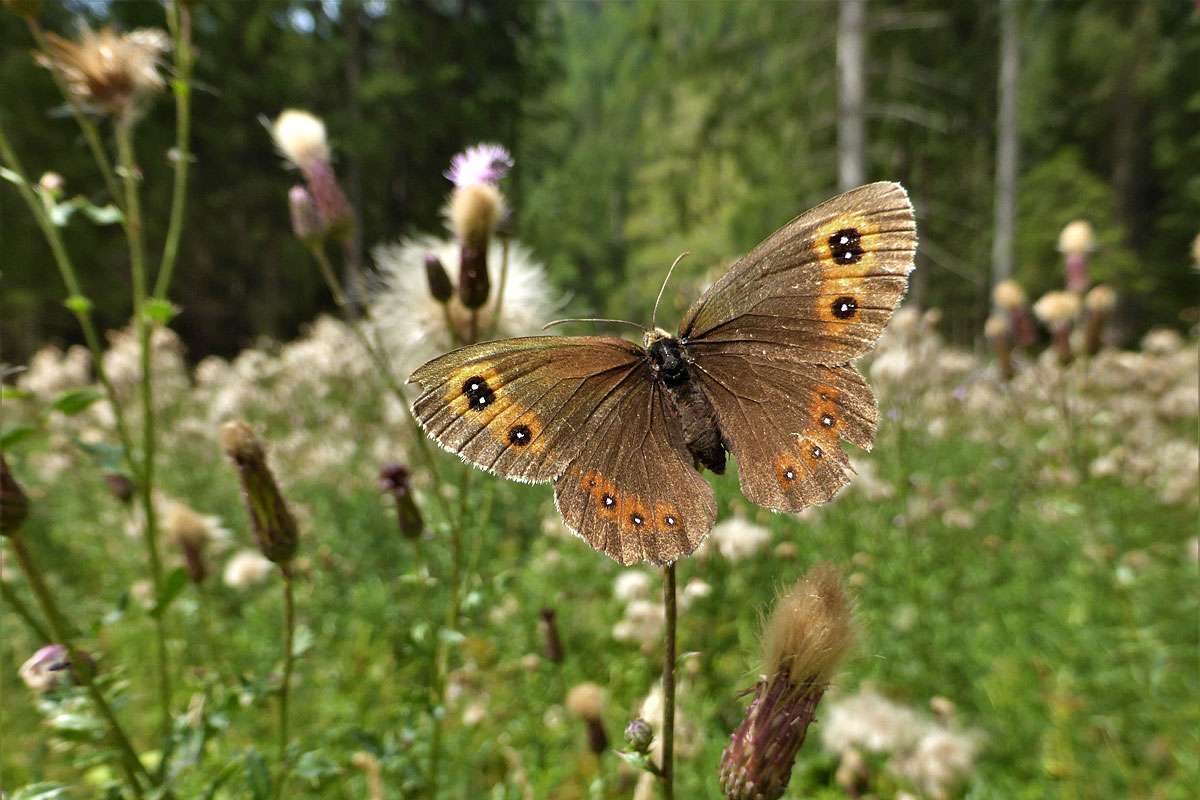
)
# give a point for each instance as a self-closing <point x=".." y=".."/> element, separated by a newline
<point x="663" y="288"/>
<point x="592" y="319"/>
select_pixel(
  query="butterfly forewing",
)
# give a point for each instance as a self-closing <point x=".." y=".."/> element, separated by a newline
<point x="820" y="289"/>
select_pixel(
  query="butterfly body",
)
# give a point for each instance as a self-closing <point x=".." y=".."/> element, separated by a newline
<point x="697" y="418"/>
<point x="759" y="368"/>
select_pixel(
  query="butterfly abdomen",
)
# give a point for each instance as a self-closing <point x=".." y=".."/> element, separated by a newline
<point x="696" y="414"/>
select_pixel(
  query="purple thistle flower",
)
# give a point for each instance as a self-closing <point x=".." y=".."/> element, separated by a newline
<point x="482" y="163"/>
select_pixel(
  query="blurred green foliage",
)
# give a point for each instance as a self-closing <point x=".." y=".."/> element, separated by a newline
<point x="642" y="129"/>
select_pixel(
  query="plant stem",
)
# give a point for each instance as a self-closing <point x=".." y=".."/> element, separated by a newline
<point x="79" y="304"/>
<point x="179" y="20"/>
<point x="25" y="614"/>
<point x="85" y="124"/>
<point x="289" y="621"/>
<point x="131" y="764"/>
<point x="668" y="680"/>
<point x="133" y="230"/>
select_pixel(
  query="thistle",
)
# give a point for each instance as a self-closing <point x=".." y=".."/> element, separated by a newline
<point x="1009" y="297"/>
<point x="1057" y="311"/>
<point x="807" y="635"/>
<point x="1099" y="302"/>
<point x="1076" y="242"/>
<point x="274" y="526"/>
<point x="586" y="701"/>
<point x="108" y="73"/>
<point x="301" y="139"/>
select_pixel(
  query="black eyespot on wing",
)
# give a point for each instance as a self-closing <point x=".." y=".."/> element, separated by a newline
<point x="520" y="435"/>
<point x="844" y="307"/>
<point x="479" y="395"/>
<point x="846" y="246"/>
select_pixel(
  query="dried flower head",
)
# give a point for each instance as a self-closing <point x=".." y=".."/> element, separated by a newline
<point x="440" y="287"/>
<point x="395" y="480"/>
<point x="193" y="533"/>
<point x="1101" y="300"/>
<point x="996" y="327"/>
<point x="737" y="538"/>
<point x="300" y="137"/>
<point x="482" y="163"/>
<point x="807" y="635"/>
<point x="1077" y="238"/>
<point x="246" y="568"/>
<point x="552" y="642"/>
<point x="106" y="72"/>
<point x="1008" y="295"/>
<point x="586" y="701"/>
<point x="1057" y="309"/>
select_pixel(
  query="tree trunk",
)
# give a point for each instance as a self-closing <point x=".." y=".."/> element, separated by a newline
<point x="1006" y="145"/>
<point x="851" y="52"/>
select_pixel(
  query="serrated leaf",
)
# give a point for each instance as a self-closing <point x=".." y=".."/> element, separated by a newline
<point x="172" y="587"/>
<point x="11" y="176"/>
<point x="79" y="304"/>
<point x="17" y="433"/>
<point x="159" y="311"/>
<point x="73" y="401"/>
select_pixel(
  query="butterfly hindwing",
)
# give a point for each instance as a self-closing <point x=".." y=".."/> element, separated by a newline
<point x="820" y="289"/>
<point x="785" y="423"/>
<point x="633" y="492"/>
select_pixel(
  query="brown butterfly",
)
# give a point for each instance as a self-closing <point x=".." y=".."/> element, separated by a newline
<point x="760" y="368"/>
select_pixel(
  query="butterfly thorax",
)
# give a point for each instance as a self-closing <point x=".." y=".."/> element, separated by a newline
<point x="670" y="362"/>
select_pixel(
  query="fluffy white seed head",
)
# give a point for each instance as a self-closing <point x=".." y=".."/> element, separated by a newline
<point x="1101" y="299"/>
<point x="1077" y="238"/>
<point x="1008" y="295"/>
<point x="300" y="136"/>
<point x="810" y="629"/>
<point x="1055" y="309"/>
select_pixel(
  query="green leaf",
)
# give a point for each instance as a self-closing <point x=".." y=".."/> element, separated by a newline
<point x="102" y="215"/>
<point x="13" y="393"/>
<point x="79" y="304"/>
<point x="17" y="433"/>
<point x="315" y="767"/>
<point x="73" y="401"/>
<point x="41" y="791"/>
<point x="639" y="761"/>
<point x="60" y="213"/>
<point x="172" y="586"/>
<point x="108" y="457"/>
<point x="11" y="176"/>
<point x="160" y="312"/>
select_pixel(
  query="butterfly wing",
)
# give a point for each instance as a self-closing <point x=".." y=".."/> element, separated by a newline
<point x="586" y="413"/>
<point x="771" y="342"/>
<point x="820" y="289"/>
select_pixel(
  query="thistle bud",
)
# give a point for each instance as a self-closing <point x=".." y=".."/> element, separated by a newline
<point x="439" y="281"/>
<point x="1057" y="311"/>
<point x="46" y="668"/>
<point x="1009" y="297"/>
<point x="274" y="526"/>
<point x="806" y="636"/>
<point x="553" y="644"/>
<point x="394" y="479"/>
<point x="14" y="503"/>
<point x="300" y="137"/>
<point x="306" y="222"/>
<point x="586" y="701"/>
<point x="639" y="735"/>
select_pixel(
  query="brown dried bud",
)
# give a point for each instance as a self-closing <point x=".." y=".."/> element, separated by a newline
<point x="274" y="526"/>
<point x="586" y="701"/>
<point x="14" y="503"/>
<point x="807" y="635"/>
<point x="439" y="281"/>
<point x="553" y="644"/>
<point x="394" y="479"/>
<point x="120" y="486"/>
<point x="474" y="284"/>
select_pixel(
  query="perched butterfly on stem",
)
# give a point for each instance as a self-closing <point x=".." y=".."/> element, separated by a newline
<point x="760" y="368"/>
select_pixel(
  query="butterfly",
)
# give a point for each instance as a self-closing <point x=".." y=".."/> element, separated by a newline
<point x="760" y="368"/>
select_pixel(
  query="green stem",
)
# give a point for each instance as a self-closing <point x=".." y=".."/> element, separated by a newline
<point x="89" y="130"/>
<point x="289" y="621"/>
<point x="60" y="631"/>
<point x="179" y="20"/>
<point x="25" y="614"/>
<point x="78" y="304"/>
<point x="133" y="230"/>
<point x="668" y="721"/>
